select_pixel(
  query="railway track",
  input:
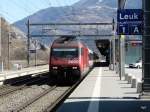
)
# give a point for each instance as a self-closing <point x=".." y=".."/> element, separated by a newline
<point x="39" y="96"/>
<point x="49" y="100"/>
<point x="53" y="106"/>
<point x="34" y="99"/>
<point x="18" y="85"/>
<point x="44" y="101"/>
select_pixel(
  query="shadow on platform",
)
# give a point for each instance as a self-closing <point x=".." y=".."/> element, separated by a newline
<point x="101" y="64"/>
<point x="107" y="105"/>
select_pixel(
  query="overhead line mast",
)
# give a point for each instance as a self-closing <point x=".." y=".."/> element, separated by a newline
<point x="121" y="43"/>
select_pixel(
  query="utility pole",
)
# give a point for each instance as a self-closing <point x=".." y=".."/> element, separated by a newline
<point x="114" y="45"/>
<point x="121" y="4"/>
<point x="146" y="47"/>
<point x="28" y="43"/>
<point x="35" y="52"/>
<point x="9" y="34"/>
<point x="110" y="54"/>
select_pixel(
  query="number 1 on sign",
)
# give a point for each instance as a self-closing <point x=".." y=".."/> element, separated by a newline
<point x="123" y="29"/>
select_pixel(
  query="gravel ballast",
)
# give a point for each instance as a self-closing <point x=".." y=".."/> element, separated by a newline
<point x="45" y="101"/>
<point x="12" y="101"/>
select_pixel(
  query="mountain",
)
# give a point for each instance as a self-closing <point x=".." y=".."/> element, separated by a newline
<point x="85" y="3"/>
<point x="130" y="4"/>
<point x="110" y="3"/>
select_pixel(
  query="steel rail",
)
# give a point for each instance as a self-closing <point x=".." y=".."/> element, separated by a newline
<point x="9" y="90"/>
<point x="34" y="99"/>
<point x="60" y="99"/>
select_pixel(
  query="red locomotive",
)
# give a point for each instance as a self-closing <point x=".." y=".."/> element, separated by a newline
<point x="69" y="57"/>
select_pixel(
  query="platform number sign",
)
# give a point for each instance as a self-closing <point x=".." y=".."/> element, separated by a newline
<point x="123" y="29"/>
<point x="136" y="29"/>
<point x="130" y="29"/>
<point x="130" y="22"/>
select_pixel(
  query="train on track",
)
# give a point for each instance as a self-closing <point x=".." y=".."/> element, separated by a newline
<point x="69" y="58"/>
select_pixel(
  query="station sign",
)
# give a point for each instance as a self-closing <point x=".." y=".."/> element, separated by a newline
<point x="130" y="29"/>
<point x="129" y="15"/>
<point x="130" y="22"/>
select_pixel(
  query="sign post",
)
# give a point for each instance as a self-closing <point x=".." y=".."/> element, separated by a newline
<point x="121" y="4"/>
<point x="130" y="22"/>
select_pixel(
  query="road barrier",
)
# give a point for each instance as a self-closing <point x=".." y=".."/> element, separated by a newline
<point x="126" y="77"/>
<point x="129" y="78"/>
<point x="139" y="86"/>
<point x="133" y="82"/>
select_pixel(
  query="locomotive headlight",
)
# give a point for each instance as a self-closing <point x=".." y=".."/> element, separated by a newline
<point x="55" y="67"/>
<point x="74" y="67"/>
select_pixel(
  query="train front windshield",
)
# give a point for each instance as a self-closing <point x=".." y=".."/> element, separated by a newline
<point x="65" y="52"/>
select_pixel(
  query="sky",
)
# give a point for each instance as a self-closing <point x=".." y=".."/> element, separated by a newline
<point x="14" y="10"/>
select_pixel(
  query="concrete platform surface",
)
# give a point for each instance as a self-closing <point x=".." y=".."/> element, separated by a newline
<point x="102" y="88"/>
<point x="24" y="71"/>
<point x="101" y="82"/>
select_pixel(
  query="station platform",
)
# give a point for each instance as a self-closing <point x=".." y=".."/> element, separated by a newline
<point x="103" y="91"/>
<point x="23" y="72"/>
